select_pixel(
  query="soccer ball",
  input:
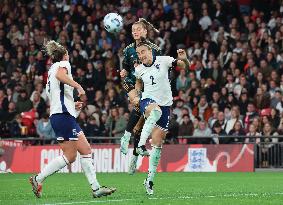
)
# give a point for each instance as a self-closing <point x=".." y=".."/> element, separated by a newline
<point x="113" y="22"/>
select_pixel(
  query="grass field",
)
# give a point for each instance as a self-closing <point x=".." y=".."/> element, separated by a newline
<point x="170" y="188"/>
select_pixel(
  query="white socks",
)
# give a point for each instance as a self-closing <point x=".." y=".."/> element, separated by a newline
<point x="149" y="124"/>
<point x="61" y="161"/>
<point x="54" y="166"/>
<point x="153" y="162"/>
<point x="89" y="170"/>
<point x="127" y="135"/>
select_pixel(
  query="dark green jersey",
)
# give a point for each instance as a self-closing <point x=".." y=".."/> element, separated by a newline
<point x="131" y="57"/>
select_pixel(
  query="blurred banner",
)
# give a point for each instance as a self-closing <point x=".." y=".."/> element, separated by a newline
<point x="107" y="158"/>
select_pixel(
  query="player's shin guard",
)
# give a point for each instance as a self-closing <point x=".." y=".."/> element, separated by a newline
<point x="89" y="170"/>
<point x="153" y="162"/>
<point x="149" y="124"/>
<point x="54" y="166"/>
<point x="133" y="120"/>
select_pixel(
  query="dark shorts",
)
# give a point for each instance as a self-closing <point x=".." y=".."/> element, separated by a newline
<point x="65" y="127"/>
<point x="163" y="122"/>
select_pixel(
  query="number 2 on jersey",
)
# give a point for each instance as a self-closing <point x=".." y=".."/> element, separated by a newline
<point x="152" y="80"/>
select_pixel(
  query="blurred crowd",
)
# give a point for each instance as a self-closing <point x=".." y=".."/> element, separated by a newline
<point x="233" y="86"/>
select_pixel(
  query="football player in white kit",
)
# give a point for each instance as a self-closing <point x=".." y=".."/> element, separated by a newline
<point x="155" y="101"/>
<point x="63" y="114"/>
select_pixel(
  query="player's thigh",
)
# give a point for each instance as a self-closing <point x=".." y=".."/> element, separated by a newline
<point x="139" y="125"/>
<point x="83" y="145"/>
<point x="161" y="127"/>
<point x="150" y="107"/>
<point x="65" y="127"/>
<point x="158" y="135"/>
<point x="69" y="149"/>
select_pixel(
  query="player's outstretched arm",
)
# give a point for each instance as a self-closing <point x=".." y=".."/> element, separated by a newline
<point x="182" y="58"/>
<point x="62" y="76"/>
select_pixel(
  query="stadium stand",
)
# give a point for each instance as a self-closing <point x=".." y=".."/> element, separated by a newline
<point x="233" y="86"/>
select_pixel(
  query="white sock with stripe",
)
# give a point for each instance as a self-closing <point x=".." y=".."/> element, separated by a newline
<point x="149" y="124"/>
<point x="89" y="170"/>
<point x="153" y="162"/>
<point x="52" y="167"/>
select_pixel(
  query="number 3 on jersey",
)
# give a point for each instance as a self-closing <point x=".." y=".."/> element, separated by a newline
<point x="152" y="80"/>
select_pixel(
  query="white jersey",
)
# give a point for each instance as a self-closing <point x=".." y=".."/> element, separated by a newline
<point x="60" y="94"/>
<point x="156" y="80"/>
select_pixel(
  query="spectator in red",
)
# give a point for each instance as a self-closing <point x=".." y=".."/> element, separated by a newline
<point x="203" y="109"/>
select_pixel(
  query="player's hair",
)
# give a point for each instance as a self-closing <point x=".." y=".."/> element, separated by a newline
<point x="55" y="51"/>
<point x="144" y="43"/>
<point x="145" y="24"/>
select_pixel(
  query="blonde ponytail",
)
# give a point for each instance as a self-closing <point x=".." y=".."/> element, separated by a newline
<point x="147" y="25"/>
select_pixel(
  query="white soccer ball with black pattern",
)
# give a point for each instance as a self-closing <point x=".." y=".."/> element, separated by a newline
<point x="113" y="22"/>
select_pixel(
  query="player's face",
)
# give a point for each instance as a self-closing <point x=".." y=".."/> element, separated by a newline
<point x="144" y="54"/>
<point x="138" y="31"/>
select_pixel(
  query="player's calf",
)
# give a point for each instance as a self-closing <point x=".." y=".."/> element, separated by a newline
<point x="133" y="164"/>
<point x="124" y="144"/>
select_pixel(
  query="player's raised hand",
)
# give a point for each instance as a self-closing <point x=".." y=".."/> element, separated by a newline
<point x="182" y="54"/>
<point x="123" y="73"/>
<point x="78" y="105"/>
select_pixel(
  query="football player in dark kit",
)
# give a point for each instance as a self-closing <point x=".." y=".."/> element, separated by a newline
<point x="140" y="30"/>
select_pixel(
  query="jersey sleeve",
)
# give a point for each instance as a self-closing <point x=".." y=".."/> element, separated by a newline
<point x="170" y="62"/>
<point x="65" y="64"/>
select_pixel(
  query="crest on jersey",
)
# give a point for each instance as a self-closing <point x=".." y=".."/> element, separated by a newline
<point x="157" y="66"/>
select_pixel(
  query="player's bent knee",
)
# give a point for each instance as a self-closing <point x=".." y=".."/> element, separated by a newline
<point x="156" y="113"/>
<point x="87" y="150"/>
<point x="157" y="142"/>
<point x="71" y="156"/>
<point x="154" y="109"/>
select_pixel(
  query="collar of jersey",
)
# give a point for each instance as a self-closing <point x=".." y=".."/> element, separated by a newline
<point x="153" y="60"/>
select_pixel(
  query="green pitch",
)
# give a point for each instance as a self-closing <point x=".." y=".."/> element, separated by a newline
<point x="170" y="188"/>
